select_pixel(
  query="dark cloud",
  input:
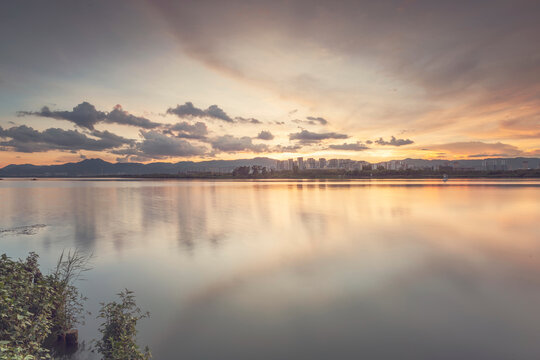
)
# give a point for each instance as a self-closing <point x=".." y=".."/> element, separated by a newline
<point x="119" y="116"/>
<point x="216" y="112"/>
<point x="319" y="120"/>
<point x="186" y="110"/>
<point x="247" y="120"/>
<point x="308" y="136"/>
<point x="83" y="115"/>
<point x="265" y="135"/>
<point x="156" y="145"/>
<point x="358" y="146"/>
<point x="199" y="130"/>
<point x="189" y="110"/>
<point x="26" y="139"/>
<point x="111" y="139"/>
<point x="310" y="120"/>
<point x="394" y="142"/>
<point x="86" y="116"/>
<point x="232" y="144"/>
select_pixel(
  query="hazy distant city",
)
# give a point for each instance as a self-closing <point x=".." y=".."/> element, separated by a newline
<point x="409" y="164"/>
<point x="320" y="167"/>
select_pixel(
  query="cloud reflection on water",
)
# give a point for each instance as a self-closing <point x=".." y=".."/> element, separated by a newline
<point x="309" y="270"/>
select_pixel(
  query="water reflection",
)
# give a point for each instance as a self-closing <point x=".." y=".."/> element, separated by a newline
<point x="302" y="270"/>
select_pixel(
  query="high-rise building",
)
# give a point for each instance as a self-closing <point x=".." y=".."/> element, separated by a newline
<point x="346" y="164"/>
<point x="333" y="163"/>
<point x="300" y="161"/>
<point x="311" y="163"/>
<point x="291" y="164"/>
<point x="494" y="164"/>
<point x="282" y="165"/>
<point x="322" y="163"/>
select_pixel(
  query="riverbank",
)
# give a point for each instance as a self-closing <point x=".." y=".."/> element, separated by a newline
<point x="339" y="174"/>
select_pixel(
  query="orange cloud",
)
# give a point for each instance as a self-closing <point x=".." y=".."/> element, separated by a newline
<point x="475" y="148"/>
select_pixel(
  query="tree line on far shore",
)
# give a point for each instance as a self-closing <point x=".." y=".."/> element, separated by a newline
<point x="262" y="172"/>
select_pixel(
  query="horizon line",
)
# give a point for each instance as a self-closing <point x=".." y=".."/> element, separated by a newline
<point x="269" y="158"/>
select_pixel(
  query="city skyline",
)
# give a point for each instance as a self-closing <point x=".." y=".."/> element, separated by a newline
<point x="264" y="166"/>
<point x="165" y="81"/>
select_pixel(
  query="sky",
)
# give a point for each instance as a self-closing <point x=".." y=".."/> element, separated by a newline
<point x="166" y="80"/>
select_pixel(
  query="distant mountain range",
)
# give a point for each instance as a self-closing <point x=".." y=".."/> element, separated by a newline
<point x="98" y="167"/>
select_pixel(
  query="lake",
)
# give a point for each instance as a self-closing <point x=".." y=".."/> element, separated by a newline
<point x="381" y="269"/>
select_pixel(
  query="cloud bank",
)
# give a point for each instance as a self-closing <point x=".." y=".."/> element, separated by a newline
<point x="394" y="142"/>
<point x="189" y="110"/>
<point x="265" y="135"/>
<point x="232" y="144"/>
<point x="310" y="137"/>
<point x="25" y="139"/>
<point x="85" y="115"/>
<point x="358" y="146"/>
<point x="199" y="130"/>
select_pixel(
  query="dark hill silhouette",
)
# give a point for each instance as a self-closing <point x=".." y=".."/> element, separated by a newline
<point x="98" y="167"/>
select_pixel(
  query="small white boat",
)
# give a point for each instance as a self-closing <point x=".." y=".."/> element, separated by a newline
<point x="445" y="178"/>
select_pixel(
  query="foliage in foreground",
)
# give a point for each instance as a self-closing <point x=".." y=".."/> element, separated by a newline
<point x="34" y="307"/>
<point x="68" y="302"/>
<point x="26" y="307"/>
<point x="119" y="329"/>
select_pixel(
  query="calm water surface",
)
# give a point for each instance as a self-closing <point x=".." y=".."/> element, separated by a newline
<point x="300" y="270"/>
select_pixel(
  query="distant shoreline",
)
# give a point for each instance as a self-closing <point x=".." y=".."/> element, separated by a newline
<point x="312" y="175"/>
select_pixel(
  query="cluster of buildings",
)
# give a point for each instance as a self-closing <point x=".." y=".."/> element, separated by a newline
<point x="456" y="165"/>
<point x="321" y="163"/>
<point x="460" y="165"/>
<point x="498" y="164"/>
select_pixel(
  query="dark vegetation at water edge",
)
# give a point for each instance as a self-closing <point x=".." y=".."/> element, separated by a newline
<point x="40" y="312"/>
<point x="119" y="329"/>
<point x="263" y="173"/>
<point x="224" y="168"/>
<point x="403" y="174"/>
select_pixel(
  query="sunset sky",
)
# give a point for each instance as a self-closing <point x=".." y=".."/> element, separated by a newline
<point x="196" y="80"/>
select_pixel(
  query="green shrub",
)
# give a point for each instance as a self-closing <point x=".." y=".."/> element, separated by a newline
<point x="119" y="329"/>
<point x="26" y="306"/>
<point x="34" y="306"/>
